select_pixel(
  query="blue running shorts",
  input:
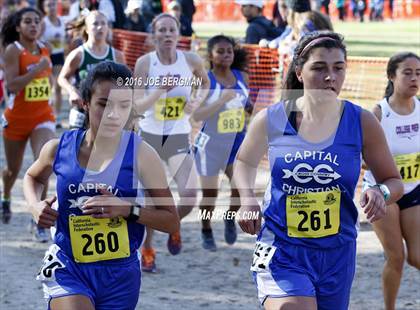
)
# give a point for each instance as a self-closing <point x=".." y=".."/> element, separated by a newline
<point x="326" y="274"/>
<point x="108" y="286"/>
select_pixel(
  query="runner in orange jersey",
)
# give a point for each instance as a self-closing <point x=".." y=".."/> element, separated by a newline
<point x="28" y="115"/>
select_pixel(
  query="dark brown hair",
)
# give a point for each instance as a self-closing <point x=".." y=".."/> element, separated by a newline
<point x="292" y="87"/>
<point x="240" y="55"/>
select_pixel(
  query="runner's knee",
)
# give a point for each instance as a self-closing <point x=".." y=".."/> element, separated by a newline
<point x="396" y="261"/>
<point x="10" y="173"/>
<point x="413" y="259"/>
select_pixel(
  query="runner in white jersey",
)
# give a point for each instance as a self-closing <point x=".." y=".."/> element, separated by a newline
<point x="54" y="32"/>
<point x="399" y="114"/>
<point x="165" y="79"/>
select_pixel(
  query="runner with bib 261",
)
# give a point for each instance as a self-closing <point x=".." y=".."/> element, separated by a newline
<point x="306" y="249"/>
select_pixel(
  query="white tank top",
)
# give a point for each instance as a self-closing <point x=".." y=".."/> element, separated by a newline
<point x="403" y="136"/>
<point x="54" y="35"/>
<point x="167" y="116"/>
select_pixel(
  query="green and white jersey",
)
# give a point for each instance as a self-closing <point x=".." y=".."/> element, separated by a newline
<point x="90" y="60"/>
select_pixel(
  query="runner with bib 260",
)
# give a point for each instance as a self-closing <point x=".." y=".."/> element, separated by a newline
<point x="399" y="114"/>
<point x="306" y="249"/>
<point x="102" y="173"/>
<point x="222" y="132"/>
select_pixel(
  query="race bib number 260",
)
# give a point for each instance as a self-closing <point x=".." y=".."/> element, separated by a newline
<point x="94" y="240"/>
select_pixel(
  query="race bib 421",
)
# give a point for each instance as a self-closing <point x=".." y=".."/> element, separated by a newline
<point x="313" y="215"/>
<point x="169" y="108"/>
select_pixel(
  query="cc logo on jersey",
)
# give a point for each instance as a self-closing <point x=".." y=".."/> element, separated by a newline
<point x="304" y="173"/>
<point x="79" y="202"/>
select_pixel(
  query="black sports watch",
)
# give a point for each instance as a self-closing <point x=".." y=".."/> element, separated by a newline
<point x="134" y="213"/>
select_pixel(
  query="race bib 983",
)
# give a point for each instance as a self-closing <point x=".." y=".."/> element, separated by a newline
<point x="231" y="121"/>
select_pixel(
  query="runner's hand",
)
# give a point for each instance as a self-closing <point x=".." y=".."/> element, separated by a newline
<point x="192" y="104"/>
<point x="43" y="64"/>
<point x="373" y="203"/>
<point x="106" y="206"/>
<point x="45" y="216"/>
<point x="228" y="95"/>
<point x="251" y="227"/>
<point x="75" y="99"/>
<point x="168" y="86"/>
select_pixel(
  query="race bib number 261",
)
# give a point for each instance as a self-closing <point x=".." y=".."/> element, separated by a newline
<point x="313" y="215"/>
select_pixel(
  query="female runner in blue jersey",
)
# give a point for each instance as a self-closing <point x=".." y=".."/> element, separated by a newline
<point x="223" y="130"/>
<point x="306" y="247"/>
<point x="101" y="173"/>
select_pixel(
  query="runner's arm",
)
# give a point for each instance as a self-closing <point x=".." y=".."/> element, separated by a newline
<point x="143" y="102"/>
<point x="250" y="153"/>
<point x="378" y="157"/>
<point x="36" y="177"/>
<point x="163" y="215"/>
<point x="199" y="71"/>
<point x="377" y="111"/>
<point x="249" y="107"/>
<point x="119" y="57"/>
<point x="253" y="148"/>
<point x="71" y="64"/>
<point x="15" y="82"/>
<point x="204" y="111"/>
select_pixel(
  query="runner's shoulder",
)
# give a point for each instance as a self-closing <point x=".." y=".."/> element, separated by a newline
<point x="12" y="50"/>
<point x="49" y="149"/>
<point x="142" y="63"/>
<point x="193" y="58"/>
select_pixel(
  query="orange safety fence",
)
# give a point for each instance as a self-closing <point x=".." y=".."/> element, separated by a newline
<point x="134" y="44"/>
<point x="365" y="81"/>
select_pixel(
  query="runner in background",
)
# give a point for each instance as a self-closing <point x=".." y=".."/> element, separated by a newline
<point x="223" y="130"/>
<point x="399" y="115"/>
<point x="98" y="171"/>
<point x="53" y="32"/>
<point x="28" y="114"/>
<point x="83" y="59"/>
<point x="305" y="257"/>
<point x="167" y="108"/>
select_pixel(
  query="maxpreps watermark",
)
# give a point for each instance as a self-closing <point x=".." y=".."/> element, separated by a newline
<point x="227" y="215"/>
